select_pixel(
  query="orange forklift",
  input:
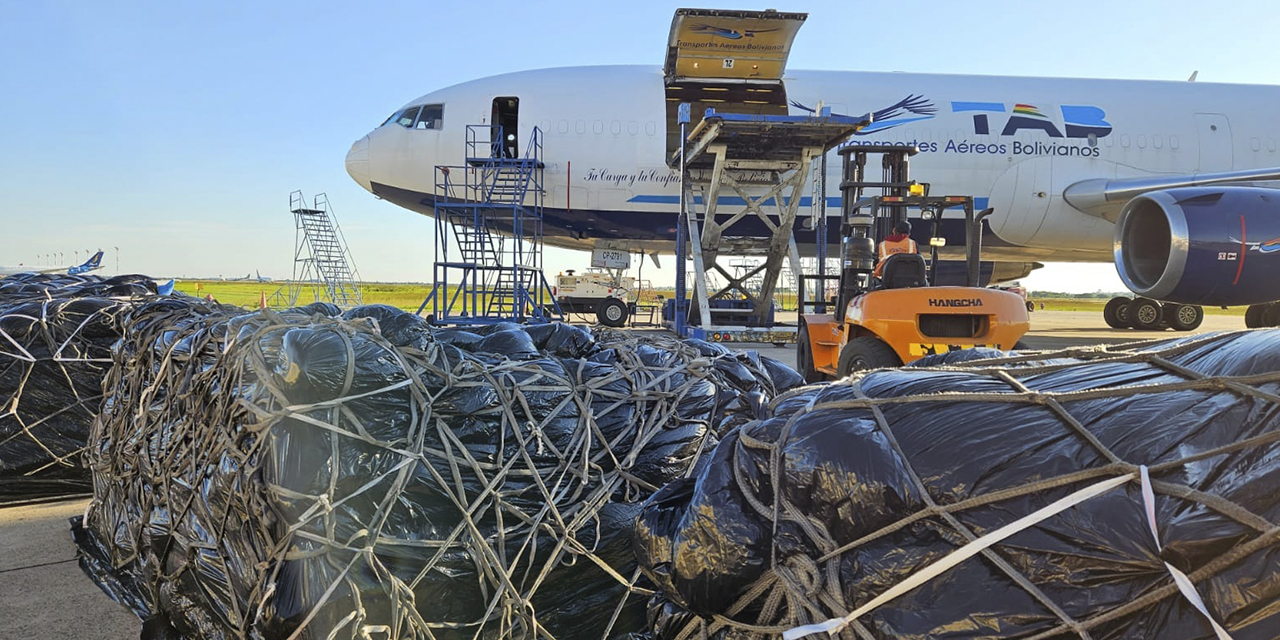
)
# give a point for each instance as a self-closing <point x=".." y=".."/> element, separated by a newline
<point x="899" y="316"/>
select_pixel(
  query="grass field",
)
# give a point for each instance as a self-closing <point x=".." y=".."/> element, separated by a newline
<point x="405" y="296"/>
<point x="402" y="295"/>
<point x="409" y="296"/>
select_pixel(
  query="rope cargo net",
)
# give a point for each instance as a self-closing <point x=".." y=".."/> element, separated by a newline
<point x="303" y="474"/>
<point x="1126" y="492"/>
<point x="56" y="333"/>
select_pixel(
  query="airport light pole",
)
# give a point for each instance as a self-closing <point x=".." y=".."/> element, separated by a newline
<point x="117" y="250"/>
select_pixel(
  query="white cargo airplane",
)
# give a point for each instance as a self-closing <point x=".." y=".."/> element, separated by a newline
<point x="92" y="264"/>
<point x="1167" y="179"/>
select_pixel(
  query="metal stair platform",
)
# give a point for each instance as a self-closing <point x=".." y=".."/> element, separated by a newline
<point x="322" y="262"/>
<point x="488" y="236"/>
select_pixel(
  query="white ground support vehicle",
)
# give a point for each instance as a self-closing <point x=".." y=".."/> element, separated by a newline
<point x="608" y="294"/>
<point x="1022" y="291"/>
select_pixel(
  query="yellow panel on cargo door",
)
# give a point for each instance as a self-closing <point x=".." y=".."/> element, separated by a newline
<point x="721" y="44"/>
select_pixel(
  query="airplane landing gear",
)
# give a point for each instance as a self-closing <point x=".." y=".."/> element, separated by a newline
<point x="1184" y="317"/>
<point x="1116" y="313"/>
<point x="1262" y="315"/>
<point x="1146" y="314"/>
<point x="1150" y="315"/>
<point x="1253" y="315"/>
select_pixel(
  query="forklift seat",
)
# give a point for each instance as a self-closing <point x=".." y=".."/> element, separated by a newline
<point x="904" y="270"/>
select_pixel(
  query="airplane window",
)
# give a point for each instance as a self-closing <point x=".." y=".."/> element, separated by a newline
<point x="633" y="128"/>
<point x="432" y="117"/>
<point x="407" y="117"/>
<point x="651" y="128"/>
<point x="1142" y="141"/>
<point x="1124" y="140"/>
<point x="563" y="126"/>
<point x="1173" y="142"/>
<point x="615" y="127"/>
<point x="1271" y="144"/>
<point x="1157" y="141"/>
<point x="1256" y="144"/>
<point x="597" y="127"/>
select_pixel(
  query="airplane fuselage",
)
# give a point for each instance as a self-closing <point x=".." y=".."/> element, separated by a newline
<point x="1013" y="143"/>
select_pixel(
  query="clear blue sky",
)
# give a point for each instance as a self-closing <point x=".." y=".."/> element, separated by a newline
<point x="176" y="130"/>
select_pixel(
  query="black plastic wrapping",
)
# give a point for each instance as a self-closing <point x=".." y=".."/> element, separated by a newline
<point x="848" y="489"/>
<point x="303" y="474"/>
<point x="56" y="333"/>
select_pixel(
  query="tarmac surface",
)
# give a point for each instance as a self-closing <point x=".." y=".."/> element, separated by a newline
<point x="43" y="593"/>
<point x="45" y="596"/>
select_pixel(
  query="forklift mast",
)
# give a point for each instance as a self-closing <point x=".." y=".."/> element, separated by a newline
<point x="867" y="219"/>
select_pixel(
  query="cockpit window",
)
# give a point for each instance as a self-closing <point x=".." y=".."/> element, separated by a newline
<point x="395" y="117"/>
<point x="431" y="117"/>
<point x="406" y="117"/>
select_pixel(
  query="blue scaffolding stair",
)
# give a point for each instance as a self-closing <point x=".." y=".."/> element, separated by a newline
<point x="488" y="236"/>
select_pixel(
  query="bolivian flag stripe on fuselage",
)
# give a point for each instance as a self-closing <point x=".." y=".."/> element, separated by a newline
<point x="1027" y="110"/>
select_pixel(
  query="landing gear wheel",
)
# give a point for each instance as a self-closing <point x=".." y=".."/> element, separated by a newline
<point x="1253" y="315"/>
<point x="1123" y="317"/>
<point x="1184" y="317"/>
<point x="867" y="352"/>
<point x="804" y="356"/>
<point x="1020" y="346"/>
<point x="1271" y="316"/>
<point x="1116" y="313"/>
<point x="1031" y="306"/>
<point x="1145" y="314"/>
<point x="612" y="312"/>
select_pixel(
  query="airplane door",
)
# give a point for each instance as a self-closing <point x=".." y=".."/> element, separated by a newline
<point x="1213" y="133"/>
<point x="504" y="132"/>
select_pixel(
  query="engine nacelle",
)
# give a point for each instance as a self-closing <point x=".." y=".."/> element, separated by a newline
<point x="1201" y="245"/>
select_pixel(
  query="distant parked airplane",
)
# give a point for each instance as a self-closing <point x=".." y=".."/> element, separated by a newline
<point x="92" y="264"/>
<point x="256" y="276"/>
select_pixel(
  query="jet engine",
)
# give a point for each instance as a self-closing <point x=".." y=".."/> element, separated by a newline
<point x="1216" y="245"/>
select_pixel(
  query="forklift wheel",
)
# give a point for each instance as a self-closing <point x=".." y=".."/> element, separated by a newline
<point x="804" y="356"/>
<point x="866" y="352"/>
<point x="612" y="312"/>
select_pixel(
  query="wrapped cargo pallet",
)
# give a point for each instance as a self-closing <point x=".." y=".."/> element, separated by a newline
<point x="1124" y="493"/>
<point x="301" y="475"/>
<point x="56" y="333"/>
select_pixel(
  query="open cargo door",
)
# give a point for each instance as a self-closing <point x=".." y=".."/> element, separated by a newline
<point x="714" y="44"/>
<point x="728" y="60"/>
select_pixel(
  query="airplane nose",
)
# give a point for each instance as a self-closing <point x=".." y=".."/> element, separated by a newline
<point x="358" y="163"/>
